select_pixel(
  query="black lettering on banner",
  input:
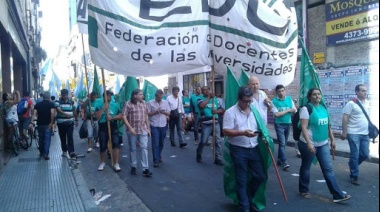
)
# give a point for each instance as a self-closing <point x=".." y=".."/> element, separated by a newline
<point x="221" y="11"/>
<point x="81" y="9"/>
<point x="255" y="20"/>
<point x="136" y="55"/>
<point x="146" y="5"/>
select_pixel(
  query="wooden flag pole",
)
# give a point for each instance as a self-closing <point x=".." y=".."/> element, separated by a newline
<point x="276" y="169"/>
<point x="109" y="143"/>
<point x="87" y="88"/>
<point x="213" y="108"/>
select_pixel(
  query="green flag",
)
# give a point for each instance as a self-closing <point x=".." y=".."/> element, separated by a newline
<point x="244" y="78"/>
<point x="231" y="89"/>
<point x="95" y="84"/>
<point x="125" y="91"/>
<point x="308" y="77"/>
<point x="149" y="90"/>
<point x="82" y="94"/>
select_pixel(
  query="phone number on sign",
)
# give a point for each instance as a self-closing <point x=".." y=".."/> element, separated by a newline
<point x="362" y="32"/>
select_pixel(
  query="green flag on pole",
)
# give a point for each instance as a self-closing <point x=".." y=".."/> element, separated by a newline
<point x="229" y="172"/>
<point x="95" y="84"/>
<point x="231" y="89"/>
<point x="125" y="92"/>
<point x="244" y="78"/>
<point x="308" y="77"/>
<point x="149" y="90"/>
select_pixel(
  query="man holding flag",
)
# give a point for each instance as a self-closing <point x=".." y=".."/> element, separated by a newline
<point x="243" y="126"/>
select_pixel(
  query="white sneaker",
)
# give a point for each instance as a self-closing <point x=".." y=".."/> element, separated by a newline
<point x="101" y="166"/>
<point x="97" y="144"/>
<point x="89" y="149"/>
<point x="65" y="154"/>
<point x="117" y="167"/>
<point x="122" y="144"/>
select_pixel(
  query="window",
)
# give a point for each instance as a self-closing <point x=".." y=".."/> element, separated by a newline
<point x="190" y="82"/>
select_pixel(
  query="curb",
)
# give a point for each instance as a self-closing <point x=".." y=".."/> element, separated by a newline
<point x="84" y="191"/>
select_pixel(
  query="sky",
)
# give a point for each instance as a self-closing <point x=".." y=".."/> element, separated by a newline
<point x="54" y="24"/>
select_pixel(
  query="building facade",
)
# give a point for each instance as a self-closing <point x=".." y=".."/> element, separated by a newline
<point x="20" y="52"/>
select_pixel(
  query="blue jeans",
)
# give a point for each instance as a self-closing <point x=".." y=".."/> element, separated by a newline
<point x="206" y="132"/>
<point x="324" y="158"/>
<point x="158" y="138"/>
<point x="44" y="133"/>
<point x="359" y="152"/>
<point x="282" y="132"/>
<point x="104" y="137"/>
<point x="196" y="123"/>
<point x="247" y="160"/>
<point x="176" y="122"/>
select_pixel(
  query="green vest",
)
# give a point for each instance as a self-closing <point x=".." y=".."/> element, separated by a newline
<point x="283" y="105"/>
<point x="113" y="110"/>
<point x="186" y="104"/>
<point x="194" y="100"/>
<point x="207" y="111"/>
<point x="319" y="123"/>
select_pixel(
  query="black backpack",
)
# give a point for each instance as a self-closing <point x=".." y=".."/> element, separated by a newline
<point x="295" y="120"/>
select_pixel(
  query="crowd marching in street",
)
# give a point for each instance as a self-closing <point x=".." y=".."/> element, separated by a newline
<point x="243" y="126"/>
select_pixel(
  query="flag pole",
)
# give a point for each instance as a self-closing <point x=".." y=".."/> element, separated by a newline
<point x="276" y="169"/>
<point x="109" y="143"/>
<point x="88" y="89"/>
<point x="213" y="108"/>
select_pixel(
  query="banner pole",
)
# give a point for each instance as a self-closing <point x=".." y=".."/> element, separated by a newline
<point x="87" y="88"/>
<point x="109" y="143"/>
<point x="213" y="108"/>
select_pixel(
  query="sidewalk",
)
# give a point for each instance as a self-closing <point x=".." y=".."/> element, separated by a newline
<point x="342" y="147"/>
<point x="30" y="184"/>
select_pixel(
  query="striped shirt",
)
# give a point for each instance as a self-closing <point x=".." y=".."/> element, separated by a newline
<point x="136" y="115"/>
<point x="68" y="108"/>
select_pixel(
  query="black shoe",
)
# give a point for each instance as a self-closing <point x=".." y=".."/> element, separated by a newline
<point x="173" y="144"/>
<point x="199" y="158"/>
<point x="133" y="171"/>
<point x="183" y="145"/>
<point x="218" y="162"/>
<point x="355" y="181"/>
<point x="156" y="165"/>
<point x="73" y="155"/>
<point x="147" y="173"/>
<point x="46" y="157"/>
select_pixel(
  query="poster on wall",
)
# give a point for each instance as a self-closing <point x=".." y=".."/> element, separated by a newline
<point x="351" y="21"/>
<point x="338" y="87"/>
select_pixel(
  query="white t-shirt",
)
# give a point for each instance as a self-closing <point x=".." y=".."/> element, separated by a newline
<point x="260" y="105"/>
<point x="236" y="119"/>
<point x="357" y="122"/>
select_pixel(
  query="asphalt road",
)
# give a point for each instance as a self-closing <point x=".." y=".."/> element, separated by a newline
<point x="182" y="184"/>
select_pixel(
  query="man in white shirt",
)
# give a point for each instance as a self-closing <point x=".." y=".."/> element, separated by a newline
<point x="259" y="100"/>
<point x="240" y="127"/>
<point x="175" y="117"/>
<point x="355" y="129"/>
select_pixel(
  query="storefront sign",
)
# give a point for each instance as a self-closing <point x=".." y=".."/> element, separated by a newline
<point x="351" y="21"/>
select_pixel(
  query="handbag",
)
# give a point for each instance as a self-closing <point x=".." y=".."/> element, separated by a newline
<point x="174" y="114"/>
<point x="373" y="132"/>
<point x="83" y="131"/>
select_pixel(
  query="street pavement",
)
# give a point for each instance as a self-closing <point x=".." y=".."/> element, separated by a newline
<point x="182" y="184"/>
<point x="179" y="184"/>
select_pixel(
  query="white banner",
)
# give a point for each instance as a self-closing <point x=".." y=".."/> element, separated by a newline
<point x="82" y="16"/>
<point x="152" y="38"/>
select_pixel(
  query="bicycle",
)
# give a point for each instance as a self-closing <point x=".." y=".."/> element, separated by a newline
<point x="33" y="134"/>
<point x="14" y="139"/>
